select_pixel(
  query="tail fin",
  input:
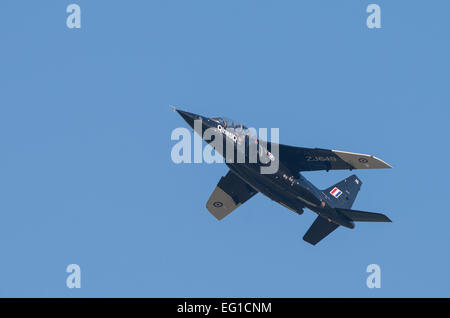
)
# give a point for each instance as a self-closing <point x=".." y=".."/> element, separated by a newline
<point x="362" y="216"/>
<point x="343" y="194"/>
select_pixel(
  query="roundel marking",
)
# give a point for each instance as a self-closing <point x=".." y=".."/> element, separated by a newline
<point x="363" y="160"/>
<point x="218" y="204"/>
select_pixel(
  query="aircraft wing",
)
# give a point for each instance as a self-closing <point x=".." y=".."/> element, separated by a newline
<point x="311" y="159"/>
<point x="230" y="193"/>
<point x="319" y="230"/>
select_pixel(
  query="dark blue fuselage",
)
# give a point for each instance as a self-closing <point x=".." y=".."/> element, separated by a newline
<point x="291" y="190"/>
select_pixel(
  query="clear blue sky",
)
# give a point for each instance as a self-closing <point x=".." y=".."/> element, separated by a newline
<point x="85" y="169"/>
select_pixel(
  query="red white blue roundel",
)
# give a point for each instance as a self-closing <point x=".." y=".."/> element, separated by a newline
<point x="336" y="192"/>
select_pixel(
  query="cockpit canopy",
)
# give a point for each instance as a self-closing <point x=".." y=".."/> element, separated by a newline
<point x="229" y="123"/>
<point x="238" y="128"/>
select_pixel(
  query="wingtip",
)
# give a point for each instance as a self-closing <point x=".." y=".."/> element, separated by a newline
<point x="386" y="165"/>
<point x="387" y="219"/>
<point x="309" y="242"/>
<point x="362" y="161"/>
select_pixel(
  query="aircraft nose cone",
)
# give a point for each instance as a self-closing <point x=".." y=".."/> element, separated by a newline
<point x="188" y="117"/>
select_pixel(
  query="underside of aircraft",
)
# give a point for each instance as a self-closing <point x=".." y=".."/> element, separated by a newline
<point x="287" y="186"/>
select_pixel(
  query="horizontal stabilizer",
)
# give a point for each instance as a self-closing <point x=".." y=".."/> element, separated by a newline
<point x="362" y="216"/>
<point x="319" y="230"/>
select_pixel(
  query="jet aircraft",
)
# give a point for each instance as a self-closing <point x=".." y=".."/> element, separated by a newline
<point x="287" y="185"/>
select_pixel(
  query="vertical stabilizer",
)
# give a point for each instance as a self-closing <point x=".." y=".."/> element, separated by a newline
<point x="343" y="193"/>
